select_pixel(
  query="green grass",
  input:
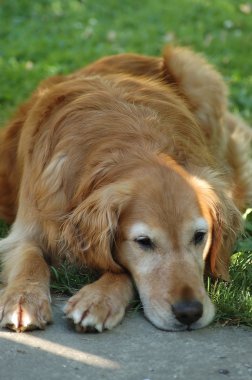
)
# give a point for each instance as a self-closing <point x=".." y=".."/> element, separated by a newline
<point x="68" y="279"/>
<point x="47" y="37"/>
<point x="233" y="300"/>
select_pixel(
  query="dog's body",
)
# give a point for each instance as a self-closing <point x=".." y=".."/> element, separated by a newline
<point x="132" y="166"/>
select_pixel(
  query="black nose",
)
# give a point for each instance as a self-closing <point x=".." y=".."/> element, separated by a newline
<point x="187" y="312"/>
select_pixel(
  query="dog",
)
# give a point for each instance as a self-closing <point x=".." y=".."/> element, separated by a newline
<point x="132" y="166"/>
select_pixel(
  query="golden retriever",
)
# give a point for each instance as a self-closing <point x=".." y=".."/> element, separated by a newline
<point x="132" y="166"/>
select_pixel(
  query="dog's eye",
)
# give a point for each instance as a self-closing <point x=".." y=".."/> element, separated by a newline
<point x="199" y="237"/>
<point x="144" y="242"/>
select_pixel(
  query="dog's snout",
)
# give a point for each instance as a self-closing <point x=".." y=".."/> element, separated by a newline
<point x="187" y="312"/>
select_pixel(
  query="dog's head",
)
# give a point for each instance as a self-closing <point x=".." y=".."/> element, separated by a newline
<point x="161" y="225"/>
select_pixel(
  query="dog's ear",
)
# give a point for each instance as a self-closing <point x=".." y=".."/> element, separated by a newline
<point x="226" y="224"/>
<point x="198" y="83"/>
<point x="91" y="227"/>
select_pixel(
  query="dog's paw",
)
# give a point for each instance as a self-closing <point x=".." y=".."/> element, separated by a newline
<point x="24" y="309"/>
<point x="91" y="309"/>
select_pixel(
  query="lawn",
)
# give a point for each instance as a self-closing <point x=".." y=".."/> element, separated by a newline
<point x="43" y="38"/>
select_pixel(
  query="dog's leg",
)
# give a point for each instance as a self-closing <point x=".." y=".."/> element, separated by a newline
<point x="100" y="305"/>
<point x="25" y="300"/>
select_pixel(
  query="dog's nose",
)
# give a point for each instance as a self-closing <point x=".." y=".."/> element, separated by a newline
<point x="187" y="312"/>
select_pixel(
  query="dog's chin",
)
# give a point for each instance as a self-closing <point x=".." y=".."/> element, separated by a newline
<point x="169" y="325"/>
<point x="175" y="326"/>
<point x="164" y="319"/>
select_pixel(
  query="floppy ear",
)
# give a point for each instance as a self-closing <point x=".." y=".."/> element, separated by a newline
<point x="226" y="223"/>
<point x="91" y="227"/>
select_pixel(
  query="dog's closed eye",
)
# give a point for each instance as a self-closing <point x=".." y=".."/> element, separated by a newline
<point x="145" y="242"/>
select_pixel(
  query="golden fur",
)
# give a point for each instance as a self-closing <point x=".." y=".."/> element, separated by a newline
<point x="132" y="166"/>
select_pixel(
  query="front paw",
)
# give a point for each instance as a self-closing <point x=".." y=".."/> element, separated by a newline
<point x="27" y="309"/>
<point x="92" y="309"/>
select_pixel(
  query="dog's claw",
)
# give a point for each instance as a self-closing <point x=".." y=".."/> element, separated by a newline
<point x="93" y="312"/>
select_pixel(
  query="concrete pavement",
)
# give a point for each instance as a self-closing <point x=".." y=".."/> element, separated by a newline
<point x="135" y="350"/>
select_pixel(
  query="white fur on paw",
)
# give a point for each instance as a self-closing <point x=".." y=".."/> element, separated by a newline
<point x="19" y="320"/>
<point x="93" y="322"/>
<point x="21" y="313"/>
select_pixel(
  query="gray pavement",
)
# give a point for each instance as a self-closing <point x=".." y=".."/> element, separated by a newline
<point x="135" y="350"/>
